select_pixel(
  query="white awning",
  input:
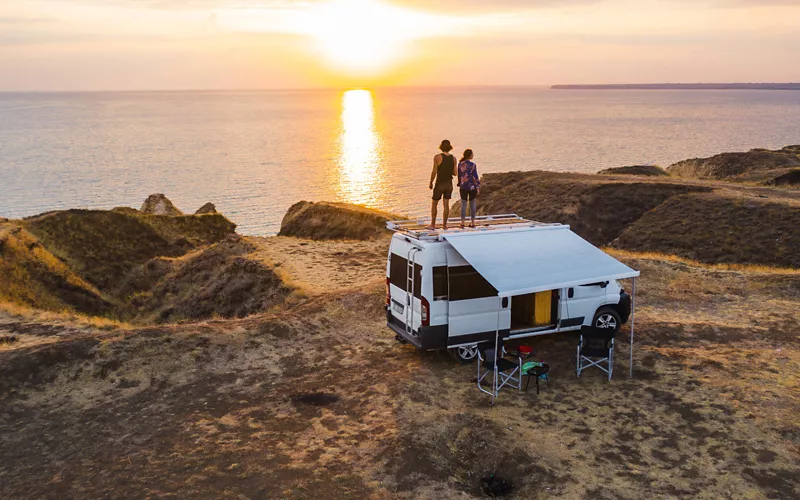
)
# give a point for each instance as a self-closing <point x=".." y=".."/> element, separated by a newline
<point x="518" y="262"/>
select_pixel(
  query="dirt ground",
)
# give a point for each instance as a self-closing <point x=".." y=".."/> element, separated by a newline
<point x="317" y="398"/>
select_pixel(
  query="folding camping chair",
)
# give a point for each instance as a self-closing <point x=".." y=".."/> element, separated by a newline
<point x="506" y="369"/>
<point x="596" y="346"/>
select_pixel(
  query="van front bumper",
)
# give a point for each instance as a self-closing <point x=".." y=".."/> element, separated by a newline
<point x="427" y="337"/>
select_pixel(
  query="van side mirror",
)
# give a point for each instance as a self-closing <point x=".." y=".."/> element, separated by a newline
<point x="571" y="293"/>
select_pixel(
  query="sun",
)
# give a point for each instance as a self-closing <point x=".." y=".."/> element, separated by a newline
<point x="363" y="36"/>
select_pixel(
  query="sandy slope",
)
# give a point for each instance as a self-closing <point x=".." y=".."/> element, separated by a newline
<point x="324" y="266"/>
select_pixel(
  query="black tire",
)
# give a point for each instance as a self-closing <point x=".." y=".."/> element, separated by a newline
<point x="607" y="317"/>
<point x="465" y="354"/>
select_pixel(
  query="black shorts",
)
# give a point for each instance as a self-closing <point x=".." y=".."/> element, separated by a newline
<point x="439" y="191"/>
<point x="468" y="195"/>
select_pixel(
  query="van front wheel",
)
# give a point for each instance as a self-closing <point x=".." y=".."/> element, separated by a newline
<point x="607" y="317"/>
<point x="465" y="354"/>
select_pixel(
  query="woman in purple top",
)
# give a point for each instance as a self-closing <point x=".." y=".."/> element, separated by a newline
<point x="470" y="185"/>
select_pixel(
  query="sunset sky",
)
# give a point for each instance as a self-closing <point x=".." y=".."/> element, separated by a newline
<point x="255" y="44"/>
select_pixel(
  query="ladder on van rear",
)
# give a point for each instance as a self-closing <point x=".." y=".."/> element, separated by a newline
<point x="410" y="266"/>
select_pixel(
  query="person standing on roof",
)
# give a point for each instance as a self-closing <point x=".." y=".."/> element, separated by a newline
<point x="444" y="169"/>
<point x="470" y="185"/>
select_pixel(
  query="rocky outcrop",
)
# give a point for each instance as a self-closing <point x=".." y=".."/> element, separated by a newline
<point x="648" y="170"/>
<point x="158" y="204"/>
<point x="756" y="165"/>
<point x="208" y="208"/>
<point x="334" y="221"/>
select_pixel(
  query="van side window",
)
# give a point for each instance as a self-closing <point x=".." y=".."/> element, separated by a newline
<point x="398" y="274"/>
<point x="466" y="283"/>
<point x="440" y="283"/>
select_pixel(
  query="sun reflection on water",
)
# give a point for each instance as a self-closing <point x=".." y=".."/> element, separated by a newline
<point x="358" y="163"/>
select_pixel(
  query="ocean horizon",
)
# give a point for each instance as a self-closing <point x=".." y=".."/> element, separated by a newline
<point x="253" y="153"/>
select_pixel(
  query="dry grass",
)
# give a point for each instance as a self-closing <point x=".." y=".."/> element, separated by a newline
<point x="146" y="268"/>
<point x="31" y="276"/>
<point x="646" y="170"/>
<point x="102" y="246"/>
<point x="756" y="165"/>
<point x="721" y="227"/>
<point x="313" y="267"/>
<point x="707" y="221"/>
<point x="219" y="281"/>
<point x="65" y="317"/>
<point x="662" y="257"/>
<point x="311" y="396"/>
<point x="598" y="208"/>
<point x="334" y="221"/>
<point x="214" y="409"/>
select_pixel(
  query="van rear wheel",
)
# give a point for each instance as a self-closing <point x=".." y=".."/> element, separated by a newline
<point x="465" y="354"/>
<point x="607" y="317"/>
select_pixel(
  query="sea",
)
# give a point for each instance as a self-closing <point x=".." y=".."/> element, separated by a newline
<point x="255" y="153"/>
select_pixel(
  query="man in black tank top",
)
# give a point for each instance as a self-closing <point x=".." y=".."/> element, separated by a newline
<point x="444" y="169"/>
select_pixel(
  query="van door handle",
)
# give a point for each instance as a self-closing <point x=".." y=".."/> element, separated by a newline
<point x="505" y="302"/>
<point x="571" y="293"/>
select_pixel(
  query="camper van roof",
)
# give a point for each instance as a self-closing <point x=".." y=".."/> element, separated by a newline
<point x="522" y="262"/>
<point x="418" y="229"/>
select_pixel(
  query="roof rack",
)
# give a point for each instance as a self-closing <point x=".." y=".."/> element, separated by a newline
<point x="418" y="228"/>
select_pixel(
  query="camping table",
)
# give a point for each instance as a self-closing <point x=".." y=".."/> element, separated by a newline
<point x="537" y="371"/>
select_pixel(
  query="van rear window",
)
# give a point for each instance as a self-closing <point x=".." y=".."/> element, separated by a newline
<point x="466" y="283"/>
<point x="398" y="272"/>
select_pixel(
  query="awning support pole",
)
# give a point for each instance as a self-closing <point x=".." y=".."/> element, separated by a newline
<point x="633" y="317"/>
<point x="494" y="362"/>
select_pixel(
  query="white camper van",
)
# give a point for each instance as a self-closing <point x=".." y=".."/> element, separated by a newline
<point x="452" y="289"/>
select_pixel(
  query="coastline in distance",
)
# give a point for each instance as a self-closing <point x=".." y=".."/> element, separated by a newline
<point x="681" y="86"/>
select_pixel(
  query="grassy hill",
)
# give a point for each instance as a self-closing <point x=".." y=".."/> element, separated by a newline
<point x="219" y="281"/>
<point x="33" y="277"/>
<point x="598" y="208"/>
<point x="334" y="221"/>
<point x="720" y="227"/>
<point x="128" y="265"/>
<point x="102" y="245"/>
<point x="757" y="165"/>
<point x="706" y="221"/>
<point x="646" y="170"/>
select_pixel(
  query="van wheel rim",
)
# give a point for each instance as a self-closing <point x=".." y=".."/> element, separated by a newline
<point x="606" y="321"/>
<point x="468" y="352"/>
